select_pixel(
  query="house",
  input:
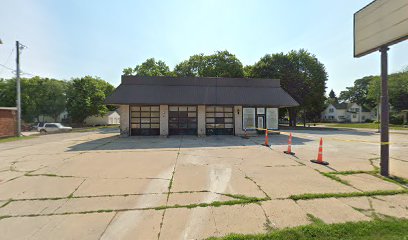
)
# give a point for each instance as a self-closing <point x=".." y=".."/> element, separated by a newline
<point x="109" y="118"/>
<point x="8" y="121"/>
<point x="60" y="118"/>
<point x="197" y="105"/>
<point x="347" y="112"/>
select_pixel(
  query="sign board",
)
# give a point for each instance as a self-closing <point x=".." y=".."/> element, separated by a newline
<point x="380" y="23"/>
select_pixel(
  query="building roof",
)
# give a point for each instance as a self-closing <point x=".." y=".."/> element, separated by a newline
<point x="364" y="109"/>
<point x="199" y="90"/>
<point x="343" y="105"/>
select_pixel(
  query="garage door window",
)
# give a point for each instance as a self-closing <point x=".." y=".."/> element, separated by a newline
<point x="219" y="120"/>
<point x="183" y="120"/>
<point x="145" y="120"/>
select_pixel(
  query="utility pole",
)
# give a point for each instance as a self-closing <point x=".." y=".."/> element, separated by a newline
<point x="385" y="146"/>
<point x="18" y="90"/>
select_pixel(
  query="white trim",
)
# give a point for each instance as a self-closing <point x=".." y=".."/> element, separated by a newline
<point x="8" y="108"/>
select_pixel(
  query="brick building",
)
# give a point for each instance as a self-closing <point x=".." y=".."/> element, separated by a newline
<point x="8" y="121"/>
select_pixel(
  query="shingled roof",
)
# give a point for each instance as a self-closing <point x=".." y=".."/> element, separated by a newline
<point x="200" y="91"/>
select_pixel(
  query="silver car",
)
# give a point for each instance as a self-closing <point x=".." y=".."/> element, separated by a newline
<point x="53" y="128"/>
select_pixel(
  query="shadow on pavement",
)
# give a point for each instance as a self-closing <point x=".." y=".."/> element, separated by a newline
<point x="175" y="142"/>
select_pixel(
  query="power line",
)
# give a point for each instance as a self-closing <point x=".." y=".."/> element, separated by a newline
<point x="6" y="67"/>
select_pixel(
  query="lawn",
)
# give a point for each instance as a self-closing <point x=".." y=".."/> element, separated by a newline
<point x="89" y="129"/>
<point x="12" y="139"/>
<point x="363" y="125"/>
<point x="376" y="229"/>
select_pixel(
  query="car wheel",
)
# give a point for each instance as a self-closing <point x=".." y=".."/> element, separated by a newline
<point x="42" y="131"/>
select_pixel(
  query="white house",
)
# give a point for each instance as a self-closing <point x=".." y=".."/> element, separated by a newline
<point x="110" y="118"/>
<point x="45" y="118"/>
<point x="346" y="112"/>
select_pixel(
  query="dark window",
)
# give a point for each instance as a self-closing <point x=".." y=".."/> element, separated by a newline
<point x="219" y="120"/>
<point x="145" y="120"/>
<point x="182" y="120"/>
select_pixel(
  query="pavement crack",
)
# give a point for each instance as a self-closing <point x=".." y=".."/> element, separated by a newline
<point x="170" y="185"/>
<point x="107" y="226"/>
<point x="254" y="182"/>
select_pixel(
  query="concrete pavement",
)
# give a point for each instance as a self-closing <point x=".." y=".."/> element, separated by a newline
<point x="96" y="185"/>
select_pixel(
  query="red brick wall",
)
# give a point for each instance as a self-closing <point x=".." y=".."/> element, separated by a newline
<point x="8" y="123"/>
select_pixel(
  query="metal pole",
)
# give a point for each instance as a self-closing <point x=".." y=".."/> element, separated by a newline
<point x="18" y="90"/>
<point x="385" y="151"/>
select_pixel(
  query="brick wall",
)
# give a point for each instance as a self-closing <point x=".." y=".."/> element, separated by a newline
<point x="8" y="120"/>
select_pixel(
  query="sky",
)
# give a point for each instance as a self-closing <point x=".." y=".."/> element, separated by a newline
<point x="74" y="38"/>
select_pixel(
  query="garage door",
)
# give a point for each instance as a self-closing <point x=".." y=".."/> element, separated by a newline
<point x="183" y="120"/>
<point x="219" y="120"/>
<point x="145" y="120"/>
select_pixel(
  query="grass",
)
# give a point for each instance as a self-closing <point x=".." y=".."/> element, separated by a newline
<point x="344" y="195"/>
<point x="335" y="178"/>
<point x="241" y="200"/>
<point x="363" y="125"/>
<point x="13" y="139"/>
<point x="376" y="229"/>
<point x="89" y="129"/>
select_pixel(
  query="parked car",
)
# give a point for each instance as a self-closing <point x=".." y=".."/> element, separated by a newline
<point x="38" y="125"/>
<point x="53" y="128"/>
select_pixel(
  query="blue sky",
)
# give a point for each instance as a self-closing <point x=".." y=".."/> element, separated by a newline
<point x="74" y="38"/>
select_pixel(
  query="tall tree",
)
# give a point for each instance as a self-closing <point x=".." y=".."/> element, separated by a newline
<point x="398" y="90"/>
<point x="332" y="94"/>
<point x="85" y="97"/>
<point x="219" y="64"/>
<point x="39" y="96"/>
<point x="301" y="75"/>
<point x="358" y="93"/>
<point x="150" y="67"/>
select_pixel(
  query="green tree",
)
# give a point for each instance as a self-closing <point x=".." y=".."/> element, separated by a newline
<point x="397" y="91"/>
<point x="53" y="101"/>
<point x="150" y="67"/>
<point x="39" y="96"/>
<point x="86" y="96"/>
<point x="301" y="75"/>
<point x="219" y="64"/>
<point x="358" y="93"/>
<point x="332" y="94"/>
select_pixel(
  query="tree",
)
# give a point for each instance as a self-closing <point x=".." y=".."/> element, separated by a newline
<point x="332" y="99"/>
<point x="219" y="64"/>
<point x="150" y="67"/>
<point x="54" y="100"/>
<point x="398" y="90"/>
<point x="332" y="94"/>
<point x="359" y="92"/>
<point x="86" y="96"/>
<point x="301" y="75"/>
<point x="39" y="96"/>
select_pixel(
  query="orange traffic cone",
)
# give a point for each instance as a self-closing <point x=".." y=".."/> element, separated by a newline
<point x="320" y="155"/>
<point x="266" y="138"/>
<point x="289" y="151"/>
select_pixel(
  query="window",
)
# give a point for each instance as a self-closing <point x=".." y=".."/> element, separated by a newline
<point x="331" y="110"/>
<point x="354" y="116"/>
<point x="248" y="115"/>
<point x="145" y="116"/>
<point x="219" y="120"/>
<point x="272" y="118"/>
<point x="183" y="120"/>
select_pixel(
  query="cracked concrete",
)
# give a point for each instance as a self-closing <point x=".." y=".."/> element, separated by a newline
<point x="132" y="188"/>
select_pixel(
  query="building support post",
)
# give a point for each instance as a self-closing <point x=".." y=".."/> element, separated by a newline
<point x="385" y="147"/>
